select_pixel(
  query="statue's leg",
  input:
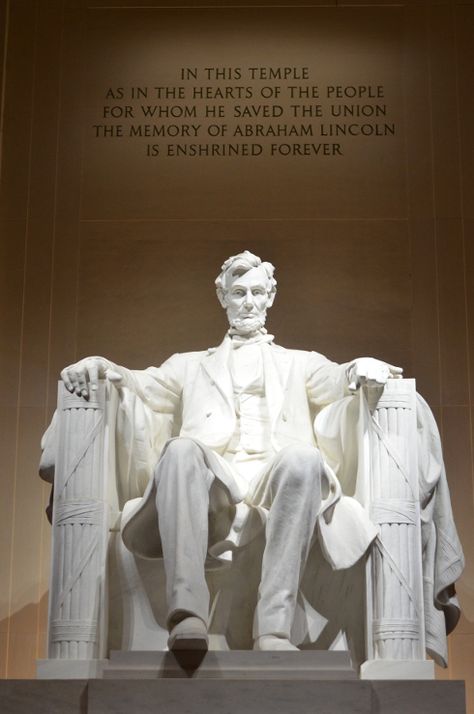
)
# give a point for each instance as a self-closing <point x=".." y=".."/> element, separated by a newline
<point x="183" y="481"/>
<point x="294" y="500"/>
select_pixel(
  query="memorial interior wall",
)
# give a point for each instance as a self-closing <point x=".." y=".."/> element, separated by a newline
<point x="143" y="143"/>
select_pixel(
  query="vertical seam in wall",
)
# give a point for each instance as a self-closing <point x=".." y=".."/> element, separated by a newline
<point x="81" y="196"/>
<point x="409" y="213"/>
<point x="46" y="487"/>
<point x="22" y="328"/>
<point x="4" y="78"/>
<point x="2" y="119"/>
<point x="435" y="227"/>
<point x="463" y="236"/>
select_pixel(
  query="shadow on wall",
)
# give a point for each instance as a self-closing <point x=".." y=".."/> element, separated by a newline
<point x="23" y="637"/>
<point x="465" y="592"/>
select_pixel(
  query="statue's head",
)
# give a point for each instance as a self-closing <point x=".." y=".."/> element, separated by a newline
<point x="246" y="288"/>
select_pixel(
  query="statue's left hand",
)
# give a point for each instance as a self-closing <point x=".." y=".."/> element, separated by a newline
<point x="370" y="372"/>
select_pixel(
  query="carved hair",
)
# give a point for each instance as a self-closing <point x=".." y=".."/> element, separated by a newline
<point x="239" y="265"/>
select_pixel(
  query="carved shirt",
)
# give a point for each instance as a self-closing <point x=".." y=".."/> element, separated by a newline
<point x="250" y="445"/>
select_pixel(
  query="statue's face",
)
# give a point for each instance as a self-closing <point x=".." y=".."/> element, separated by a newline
<point x="247" y="299"/>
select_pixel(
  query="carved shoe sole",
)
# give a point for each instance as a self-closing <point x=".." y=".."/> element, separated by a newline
<point x="189" y="634"/>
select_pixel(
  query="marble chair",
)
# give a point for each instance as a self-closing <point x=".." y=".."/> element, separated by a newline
<point x="103" y="598"/>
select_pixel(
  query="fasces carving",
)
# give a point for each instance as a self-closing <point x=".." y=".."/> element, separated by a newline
<point x="250" y="448"/>
<point x="80" y="524"/>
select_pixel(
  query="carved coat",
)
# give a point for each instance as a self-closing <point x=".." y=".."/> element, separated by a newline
<point x="195" y="389"/>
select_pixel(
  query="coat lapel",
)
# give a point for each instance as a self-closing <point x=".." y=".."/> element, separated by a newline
<point x="276" y="365"/>
<point x="216" y="365"/>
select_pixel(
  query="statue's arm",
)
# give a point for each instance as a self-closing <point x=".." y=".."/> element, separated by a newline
<point x="328" y="381"/>
<point x="158" y="387"/>
<point x="370" y="372"/>
<point x="148" y="409"/>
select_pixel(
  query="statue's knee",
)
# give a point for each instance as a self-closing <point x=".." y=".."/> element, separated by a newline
<point x="301" y="465"/>
<point x="181" y="456"/>
<point x="301" y="457"/>
<point x="182" y="448"/>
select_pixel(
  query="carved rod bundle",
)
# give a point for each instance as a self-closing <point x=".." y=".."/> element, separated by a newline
<point x="396" y="624"/>
<point x="80" y="529"/>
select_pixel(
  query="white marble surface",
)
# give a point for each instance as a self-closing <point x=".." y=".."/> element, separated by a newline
<point x="246" y="419"/>
<point x="397" y="669"/>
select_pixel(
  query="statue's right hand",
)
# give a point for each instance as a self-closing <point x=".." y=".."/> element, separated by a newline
<point x="85" y="374"/>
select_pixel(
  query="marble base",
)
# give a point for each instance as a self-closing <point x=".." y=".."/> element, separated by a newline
<point x="275" y="697"/>
<point x="235" y="664"/>
<point x="309" y="664"/>
<point x="397" y="669"/>
<point x="28" y="696"/>
<point x="69" y="668"/>
<point x="234" y="696"/>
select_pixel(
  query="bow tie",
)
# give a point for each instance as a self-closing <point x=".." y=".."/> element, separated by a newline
<point x="261" y="337"/>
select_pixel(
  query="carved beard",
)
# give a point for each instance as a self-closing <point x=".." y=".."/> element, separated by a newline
<point x="248" y="326"/>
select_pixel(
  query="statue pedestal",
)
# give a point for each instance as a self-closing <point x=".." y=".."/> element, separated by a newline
<point x="69" y="668"/>
<point x="236" y="664"/>
<point x="278" y="696"/>
<point x="234" y="696"/>
<point x="397" y="669"/>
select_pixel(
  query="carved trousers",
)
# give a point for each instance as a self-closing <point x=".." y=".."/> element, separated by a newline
<point x="293" y="498"/>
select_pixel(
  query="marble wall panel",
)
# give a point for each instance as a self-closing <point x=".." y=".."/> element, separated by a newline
<point x="462" y="654"/>
<point x="3" y="37"/>
<point x="282" y="186"/>
<point x="465" y="626"/>
<point x="40" y="301"/>
<point x="468" y="229"/>
<point x="168" y="304"/>
<point x="167" y="4"/>
<point x="444" y="121"/>
<point x="424" y="312"/>
<point x="22" y="653"/>
<point x="454" y="354"/>
<point x="31" y="125"/>
<point x="64" y="284"/>
<point x="11" y="287"/>
<point x="26" y="550"/>
<point x="14" y="203"/>
<point x="417" y="125"/>
<point x="457" y="454"/>
<point x="464" y="27"/>
<point x="3" y="654"/>
<point x="7" y="487"/>
<point x="43" y="575"/>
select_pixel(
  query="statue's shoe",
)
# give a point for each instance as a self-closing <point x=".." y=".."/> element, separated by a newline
<point x="272" y="643"/>
<point x="189" y="634"/>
